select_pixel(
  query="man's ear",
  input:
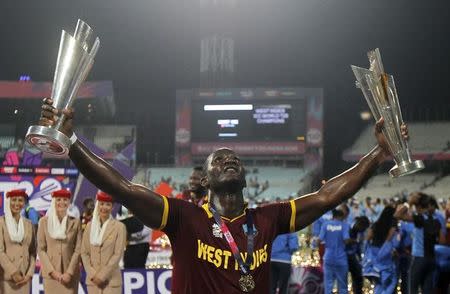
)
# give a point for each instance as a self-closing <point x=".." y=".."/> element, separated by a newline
<point x="204" y="182"/>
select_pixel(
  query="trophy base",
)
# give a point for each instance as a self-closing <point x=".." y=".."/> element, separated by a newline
<point x="406" y="168"/>
<point x="48" y="140"/>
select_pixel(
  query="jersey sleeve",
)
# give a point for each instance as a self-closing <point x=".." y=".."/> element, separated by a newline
<point x="175" y="210"/>
<point x="282" y="215"/>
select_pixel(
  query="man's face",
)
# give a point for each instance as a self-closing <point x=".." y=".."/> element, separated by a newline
<point x="225" y="171"/>
<point x="195" y="181"/>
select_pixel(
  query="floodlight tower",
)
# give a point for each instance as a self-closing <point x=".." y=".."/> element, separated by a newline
<point x="217" y="64"/>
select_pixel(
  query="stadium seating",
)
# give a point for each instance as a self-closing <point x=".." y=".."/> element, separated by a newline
<point x="383" y="186"/>
<point x="283" y="182"/>
<point x="109" y="138"/>
<point x="440" y="189"/>
<point x="426" y="138"/>
<point x="6" y="142"/>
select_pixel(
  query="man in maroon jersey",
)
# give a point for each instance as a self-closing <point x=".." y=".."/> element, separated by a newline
<point x="222" y="246"/>
<point x="195" y="192"/>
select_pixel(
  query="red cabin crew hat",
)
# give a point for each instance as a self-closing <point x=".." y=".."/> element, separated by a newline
<point x="102" y="196"/>
<point x="14" y="193"/>
<point x="63" y="193"/>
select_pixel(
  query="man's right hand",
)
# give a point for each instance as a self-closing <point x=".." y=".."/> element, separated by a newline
<point x="49" y="116"/>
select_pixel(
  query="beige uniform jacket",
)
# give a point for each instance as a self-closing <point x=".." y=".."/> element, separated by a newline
<point x="62" y="256"/>
<point x="103" y="261"/>
<point x="17" y="256"/>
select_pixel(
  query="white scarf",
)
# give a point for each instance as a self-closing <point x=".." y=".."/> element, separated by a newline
<point x="16" y="230"/>
<point x="97" y="230"/>
<point x="56" y="229"/>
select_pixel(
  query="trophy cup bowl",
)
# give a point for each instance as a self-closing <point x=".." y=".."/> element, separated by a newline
<point x="381" y="95"/>
<point x="75" y="59"/>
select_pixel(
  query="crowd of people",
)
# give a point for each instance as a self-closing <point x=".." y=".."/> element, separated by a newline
<point x="393" y="242"/>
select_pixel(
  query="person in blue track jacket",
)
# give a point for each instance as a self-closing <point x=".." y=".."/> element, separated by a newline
<point x="335" y="235"/>
<point x="280" y="265"/>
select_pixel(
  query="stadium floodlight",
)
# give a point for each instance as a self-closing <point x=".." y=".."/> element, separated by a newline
<point x="222" y="107"/>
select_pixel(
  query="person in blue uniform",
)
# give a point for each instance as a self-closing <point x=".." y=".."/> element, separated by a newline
<point x="316" y="226"/>
<point x="335" y="234"/>
<point x="379" y="264"/>
<point x="280" y="263"/>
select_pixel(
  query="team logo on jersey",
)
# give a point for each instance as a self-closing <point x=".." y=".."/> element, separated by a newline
<point x="333" y="228"/>
<point x="216" y="231"/>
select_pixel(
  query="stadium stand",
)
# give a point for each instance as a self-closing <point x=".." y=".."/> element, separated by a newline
<point x="266" y="183"/>
<point x="426" y="139"/>
<point x="383" y="186"/>
<point x="6" y="142"/>
<point x="440" y="188"/>
<point x="111" y="138"/>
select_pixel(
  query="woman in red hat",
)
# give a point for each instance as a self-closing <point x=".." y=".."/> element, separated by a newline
<point x="17" y="246"/>
<point x="59" y="242"/>
<point x="102" y="249"/>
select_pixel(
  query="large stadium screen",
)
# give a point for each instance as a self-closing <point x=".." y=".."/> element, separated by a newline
<point x="252" y="121"/>
<point x="248" y="120"/>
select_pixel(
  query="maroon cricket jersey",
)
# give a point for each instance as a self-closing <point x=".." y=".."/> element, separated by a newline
<point x="203" y="262"/>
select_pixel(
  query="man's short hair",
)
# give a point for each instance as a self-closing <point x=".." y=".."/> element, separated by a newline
<point x="199" y="169"/>
<point x="337" y="213"/>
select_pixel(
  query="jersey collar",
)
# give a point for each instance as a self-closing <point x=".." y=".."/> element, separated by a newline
<point x="210" y="215"/>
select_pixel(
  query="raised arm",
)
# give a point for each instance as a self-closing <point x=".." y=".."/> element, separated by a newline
<point x="145" y="204"/>
<point x="310" y="207"/>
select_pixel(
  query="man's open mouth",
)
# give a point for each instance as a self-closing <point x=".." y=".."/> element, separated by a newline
<point x="231" y="169"/>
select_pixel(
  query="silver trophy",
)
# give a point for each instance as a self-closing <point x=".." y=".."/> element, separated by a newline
<point x="75" y="59"/>
<point x="380" y="93"/>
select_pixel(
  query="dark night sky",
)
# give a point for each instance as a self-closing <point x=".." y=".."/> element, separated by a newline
<point x="151" y="48"/>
